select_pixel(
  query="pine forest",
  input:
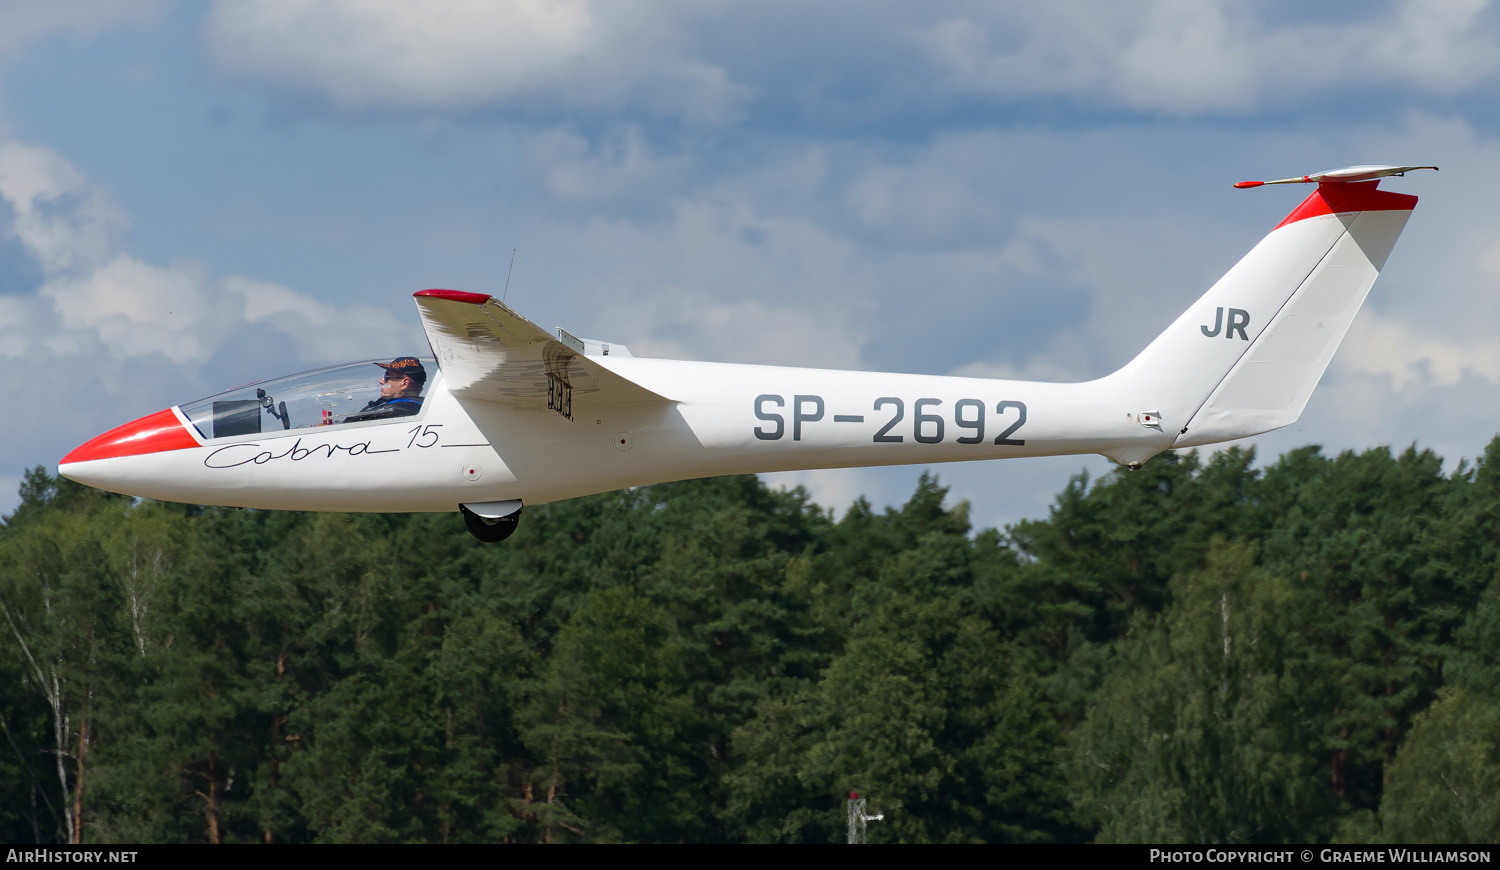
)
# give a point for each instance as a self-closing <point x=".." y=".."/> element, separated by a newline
<point x="1207" y="650"/>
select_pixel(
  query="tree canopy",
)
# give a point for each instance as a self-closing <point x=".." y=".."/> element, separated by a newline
<point x="1201" y="651"/>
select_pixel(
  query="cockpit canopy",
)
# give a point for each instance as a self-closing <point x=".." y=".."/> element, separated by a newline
<point x="323" y="397"/>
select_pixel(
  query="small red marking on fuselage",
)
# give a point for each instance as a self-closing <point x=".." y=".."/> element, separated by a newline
<point x="157" y="433"/>
<point x="1342" y="197"/>
<point x="456" y="296"/>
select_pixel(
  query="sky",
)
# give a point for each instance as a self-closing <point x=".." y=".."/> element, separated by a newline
<point x="198" y="195"/>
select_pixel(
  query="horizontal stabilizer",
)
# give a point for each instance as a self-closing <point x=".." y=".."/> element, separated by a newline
<point x="1345" y="175"/>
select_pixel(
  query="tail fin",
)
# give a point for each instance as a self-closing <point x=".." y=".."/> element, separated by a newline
<point x="1246" y="356"/>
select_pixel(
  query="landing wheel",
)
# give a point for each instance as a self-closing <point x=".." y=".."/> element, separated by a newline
<point x="491" y="531"/>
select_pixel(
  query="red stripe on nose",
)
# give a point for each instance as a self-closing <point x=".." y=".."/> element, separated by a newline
<point x="159" y="432"/>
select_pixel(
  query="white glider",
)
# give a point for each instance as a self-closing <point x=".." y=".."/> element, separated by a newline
<point x="503" y="413"/>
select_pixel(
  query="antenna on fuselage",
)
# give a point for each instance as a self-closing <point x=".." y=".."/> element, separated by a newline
<point x="507" y="275"/>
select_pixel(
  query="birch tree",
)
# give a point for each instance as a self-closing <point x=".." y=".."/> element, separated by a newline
<point x="58" y="620"/>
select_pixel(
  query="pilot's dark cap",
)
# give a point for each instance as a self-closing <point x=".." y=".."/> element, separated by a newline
<point x="405" y="367"/>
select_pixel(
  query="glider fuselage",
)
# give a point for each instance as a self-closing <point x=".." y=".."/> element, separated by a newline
<point x="516" y="415"/>
<point x="729" y="419"/>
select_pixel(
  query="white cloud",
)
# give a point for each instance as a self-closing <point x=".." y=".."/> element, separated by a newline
<point x="1183" y="57"/>
<point x="1414" y="360"/>
<point x="720" y="279"/>
<point x="24" y="21"/>
<point x="444" y="54"/>
<point x="137" y="309"/>
<point x="790" y="258"/>
<point x="834" y="488"/>
<point x="59" y="217"/>
<point x="537" y="54"/>
<point x="107" y="303"/>
<point x="693" y="324"/>
<point x="688" y="61"/>
<point x="708" y="64"/>
<point x="17" y="314"/>
<point x="327" y="332"/>
<point x="950" y="190"/>
<point x="622" y="163"/>
<point x="1439" y="44"/>
<point x="1039" y="369"/>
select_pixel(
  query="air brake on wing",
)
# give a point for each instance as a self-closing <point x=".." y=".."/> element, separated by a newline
<point x="591" y="346"/>
<point x="1345" y="174"/>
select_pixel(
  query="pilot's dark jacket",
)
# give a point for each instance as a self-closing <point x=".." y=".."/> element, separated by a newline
<point x="385" y="408"/>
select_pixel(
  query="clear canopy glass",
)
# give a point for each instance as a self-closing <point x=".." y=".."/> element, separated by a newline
<point x="348" y="393"/>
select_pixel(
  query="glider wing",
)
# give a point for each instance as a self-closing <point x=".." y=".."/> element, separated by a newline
<point x="489" y="352"/>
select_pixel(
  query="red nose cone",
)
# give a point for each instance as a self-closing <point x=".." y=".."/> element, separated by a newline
<point x="154" y="434"/>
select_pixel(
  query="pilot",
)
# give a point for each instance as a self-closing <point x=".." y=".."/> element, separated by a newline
<point x="400" y="391"/>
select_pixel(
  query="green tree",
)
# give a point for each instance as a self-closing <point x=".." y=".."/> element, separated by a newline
<point x="615" y="728"/>
<point x="1444" y="784"/>
<point x="927" y="712"/>
<point x="1200" y="733"/>
<point x="1368" y="539"/>
<point x="60" y="621"/>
